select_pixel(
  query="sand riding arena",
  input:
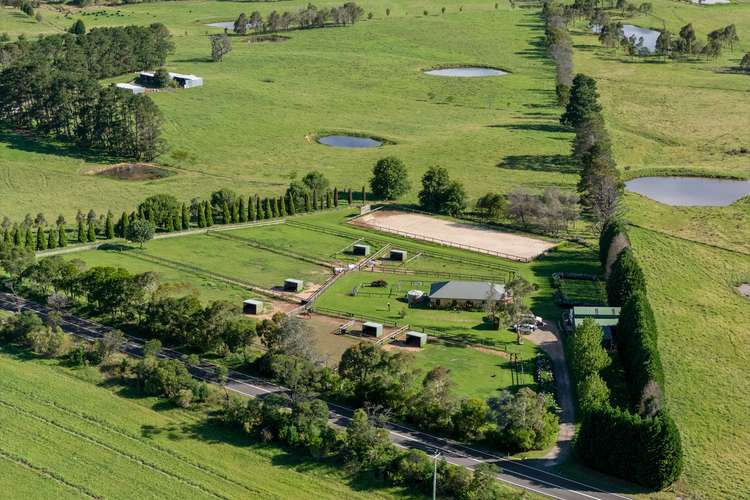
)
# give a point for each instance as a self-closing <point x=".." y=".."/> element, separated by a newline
<point x="456" y="234"/>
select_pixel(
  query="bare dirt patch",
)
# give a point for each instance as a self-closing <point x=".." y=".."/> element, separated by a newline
<point x="744" y="290"/>
<point x="460" y="235"/>
<point x="131" y="172"/>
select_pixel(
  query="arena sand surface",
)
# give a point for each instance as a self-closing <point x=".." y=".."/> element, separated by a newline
<point x="461" y="235"/>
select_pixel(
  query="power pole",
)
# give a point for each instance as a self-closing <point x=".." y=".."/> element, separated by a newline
<point x="434" y="475"/>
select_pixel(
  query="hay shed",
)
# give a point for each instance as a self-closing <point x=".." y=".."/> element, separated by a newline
<point x="293" y="285"/>
<point x="417" y="339"/>
<point x="372" y="328"/>
<point x="252" y="306"/>
<point x="399" y="255"/>
<point x="361" y="249"/>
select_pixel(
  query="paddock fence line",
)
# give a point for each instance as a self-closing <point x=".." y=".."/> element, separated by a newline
<point x="380" y="240"/>
<point x="287" y="253"/>
<point x="445" y="243"/>
<point x="195" y="270"/>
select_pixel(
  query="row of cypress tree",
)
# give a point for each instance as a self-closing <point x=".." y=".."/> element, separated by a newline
<point x="640" y="443"/>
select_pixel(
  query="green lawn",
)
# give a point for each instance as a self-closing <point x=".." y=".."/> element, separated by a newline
<point x="476" y="373"/>
<point x="79" y="433"/>
<point x="248" y="128"/>
<point x="703" y="339"/>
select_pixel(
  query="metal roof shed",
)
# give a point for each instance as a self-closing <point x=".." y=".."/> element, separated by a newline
<point x="293" y="285"/>
<point x="372" y="328"/>
<point x="361" y="249"/>
<point x="251" y="306"/>
<point x="399" y="255"/>
<point x="418" y="339"/>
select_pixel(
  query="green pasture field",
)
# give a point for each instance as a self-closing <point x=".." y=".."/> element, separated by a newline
<point x="727" y="227"/>
<point x="235" y="259"/>
<point x="669" y="116"/>
<point x="314" y="244"/>
<point x="55" y="424"/>
<point x="703" y="340"/>
<point x="251" y="126"/>
<point x="181" y="281"/>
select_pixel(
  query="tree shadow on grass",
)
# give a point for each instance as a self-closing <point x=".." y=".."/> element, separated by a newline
<point x="42" y="145"/>
<point x="535" y="127"/>
<point x="540" y="163"/>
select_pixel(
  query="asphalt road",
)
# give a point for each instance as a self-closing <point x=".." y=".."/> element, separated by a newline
<point x="515" y="472"/>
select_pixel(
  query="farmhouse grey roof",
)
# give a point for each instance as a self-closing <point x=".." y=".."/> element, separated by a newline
<point x="466" y="290"/>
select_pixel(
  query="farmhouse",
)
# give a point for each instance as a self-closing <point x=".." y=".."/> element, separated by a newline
<point x="466" y="294"/>
<point x="184" y="81"/>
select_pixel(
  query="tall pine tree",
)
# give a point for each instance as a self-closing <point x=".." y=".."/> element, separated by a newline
<point x="251" y="213"/>
<point x="209" y="215"/>
<point x="350" y="197"/>
<point x="226" y="214"/>
<point x="91" y="232"/>
<point x="335" y="197"/>
<point x="81" y="232"/>
<point x="185" y="217"/>
<point x="109" y="227"/>
<point x="62" y="238"/>
<point x="52" y="238"/>
<point x="41" y="240"/>
<point x="243" y="210"/>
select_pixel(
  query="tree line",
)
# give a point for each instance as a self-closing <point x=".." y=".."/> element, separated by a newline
<point x="309" y="16"/>
<point x="559" y="48"/>
<point x="163" y="212"/>
<point x="640" y="428"/>
<point x="50" y="86"/>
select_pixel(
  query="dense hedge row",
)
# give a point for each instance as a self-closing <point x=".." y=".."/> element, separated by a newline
<point x="642" y="443"/>
<point x="639" y="353"/>
<point x="644" y="450"/>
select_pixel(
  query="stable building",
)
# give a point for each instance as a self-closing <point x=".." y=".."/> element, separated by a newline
<point x="293" y="285"/>
<point x="361" y="249"/>
<point x="417" y="339"/>
<point x="399" y="255"/>
<point x="252" y="306"/>
<point x="466" y="294"/>
<point x="373" y="329"/>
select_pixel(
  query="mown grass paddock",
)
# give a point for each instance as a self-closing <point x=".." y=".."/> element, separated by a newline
<point x="62" y="434"/>
<point x="365" y="78"/>
<point x="703" y="339"/>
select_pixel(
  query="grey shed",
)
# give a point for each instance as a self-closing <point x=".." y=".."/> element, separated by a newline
<point x="399" y="255"/>
<point x="251" y="306"/>
<point x="416" y="338"/>
<point x="293" y="285"/>
<point x="361" y="249"/>
<point x="371" y="328"/>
